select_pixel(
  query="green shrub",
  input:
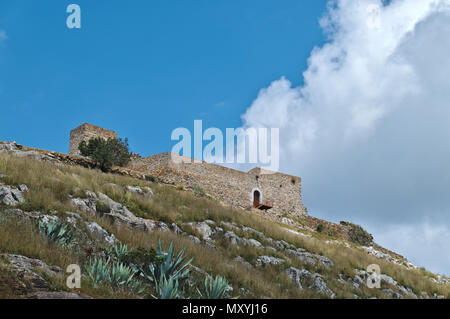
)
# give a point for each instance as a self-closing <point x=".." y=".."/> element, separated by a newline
<point x="320" y="228"/>
<point x="142" y="258"/>
<point x="198" y="190"/>
<point x="358" y="235"/>
<point x="151" y="178"/>
<point x="106" y="153"/>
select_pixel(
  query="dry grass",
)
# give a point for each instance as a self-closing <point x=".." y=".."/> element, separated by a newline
<point x="50" y="190"/>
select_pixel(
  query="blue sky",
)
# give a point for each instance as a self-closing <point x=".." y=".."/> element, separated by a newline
<point x="365" y="123"/>
<point x="144" y="68"/>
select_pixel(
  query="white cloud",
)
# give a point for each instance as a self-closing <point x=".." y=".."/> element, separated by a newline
<point x="421" y="242"/>
<point x="369" y="130"/>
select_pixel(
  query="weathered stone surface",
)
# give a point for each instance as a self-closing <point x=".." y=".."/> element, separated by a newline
<point x="253" y="231"/>
<point x="312" y="259"/>
<point x="268" y="260"/>
<point x="56" y="295"/>
<point x="145" y="191"/>
<point x="88" y="204"/>
<point x="304" y="257"/>
<point x="232" y="238"/>
<point x="203" y="229"/>
<point x="303" y="276"/>
<point x="195" y="239"/>
<point x="100" y="234"/>
<point x="121" y="215"/>
<point x="380" y="255"/>
<point x="389" y="292"/>
<point x="177" y="230"/>
<point x="254" y="243"/>
<point x="233" y="187"/>
<point x="25" y="267"/>
<point x="11" y="196"/>
<point x="321" y="287"/>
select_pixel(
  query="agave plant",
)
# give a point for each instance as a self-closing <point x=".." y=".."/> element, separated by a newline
<point x="167" y="288"/>
<point x="118" y="252"/>
<point x="57" y="232"/>
<point x="170" y="267"/>
<point x="98" y="271"/>
<point x="115" y="274"/>
<point x="215" y="289"/>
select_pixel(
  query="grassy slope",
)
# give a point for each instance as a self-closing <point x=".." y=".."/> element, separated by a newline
<point x="50" y="188"/>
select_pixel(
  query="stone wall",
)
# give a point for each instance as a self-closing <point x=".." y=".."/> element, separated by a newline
<point x="84" y="133"/>
<point x="233" y="187"/>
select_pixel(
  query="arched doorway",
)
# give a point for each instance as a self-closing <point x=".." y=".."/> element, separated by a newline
<point x="256" y="198"/>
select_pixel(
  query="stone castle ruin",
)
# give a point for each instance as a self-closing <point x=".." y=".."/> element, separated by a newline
<point x="275" y="193"/>
<point x="84" y="133"/>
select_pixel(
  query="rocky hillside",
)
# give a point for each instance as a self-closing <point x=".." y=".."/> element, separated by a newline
<point x="133" y="237"/>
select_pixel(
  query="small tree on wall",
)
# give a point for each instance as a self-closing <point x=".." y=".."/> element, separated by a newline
<point x="107" y="153"/>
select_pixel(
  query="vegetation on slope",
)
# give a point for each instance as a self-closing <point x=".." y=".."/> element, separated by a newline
<point x="51" y="188"/>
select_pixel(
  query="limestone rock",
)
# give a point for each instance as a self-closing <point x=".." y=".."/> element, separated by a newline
<point x="195" y="239"/>
<point x="268" y="260"/>
<point x="299" y="276"/>
<point x="11" y="196"/>
<point x="145" y="191"/>
<point x="120" y="214"/>
<point x="25" y="267"/>
<point x="254" y="243"/>
<point x="253" y="231"/>
<point x="101" y="234"/>
<point x="56" y="295"/>
<point x="232" y="238"/>
<point x="203" y="229"/>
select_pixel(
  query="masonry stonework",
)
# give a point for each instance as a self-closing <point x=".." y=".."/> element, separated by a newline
<point x="84" y="133"/>
<point x="276" y="193"/>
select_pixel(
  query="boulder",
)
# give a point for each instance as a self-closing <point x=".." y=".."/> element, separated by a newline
<point x="303" y="276"/>
<point x="101" y="234"/>
<point x="253" y="243"/>
<point x="203" y="229"/>
<point x="389" y="292"/>
<point x="144" y="191"/>
<point x="50" y="295"/>
<point x="232" y="238"/>
<point x="268" y="260"/>
<point x="253" y="231"/>
<point x="25" y="268"/>
<point x="120" y="214"/>
<point x="195" y="239"/>
<point x="11" y="196"/>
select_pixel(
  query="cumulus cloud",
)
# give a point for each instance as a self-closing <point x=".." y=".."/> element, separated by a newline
<point x="369" y="129"/>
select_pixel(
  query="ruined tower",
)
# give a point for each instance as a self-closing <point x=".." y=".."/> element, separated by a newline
<point x="84" y="133"/>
